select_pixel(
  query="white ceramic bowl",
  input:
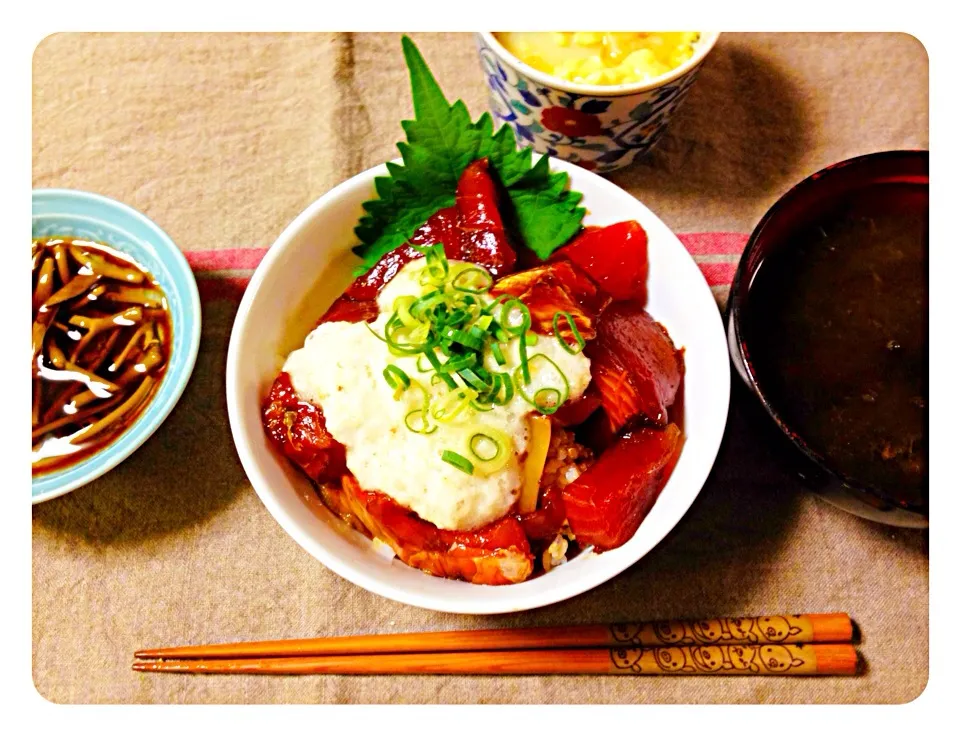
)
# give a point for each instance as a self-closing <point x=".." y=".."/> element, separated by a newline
<point x="309" y="265"/>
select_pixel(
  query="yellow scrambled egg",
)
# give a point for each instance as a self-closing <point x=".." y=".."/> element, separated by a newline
<point x="607" y="57"/>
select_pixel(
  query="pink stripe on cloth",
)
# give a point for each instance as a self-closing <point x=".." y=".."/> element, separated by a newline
<point x="718" y="274"/>
<point x="225" y="258"/>
<point x="216" y="286"/>
<point x="714" y="244"/>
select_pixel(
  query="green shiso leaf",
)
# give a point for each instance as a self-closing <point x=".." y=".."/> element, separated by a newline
<point x="441" y="142"/>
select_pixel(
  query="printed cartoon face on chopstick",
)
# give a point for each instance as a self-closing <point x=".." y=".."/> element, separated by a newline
<point x="672" y="660"/>
<point x="777" y="658"/>
<point x="741" y="629"/>
<point x="669" y="632"/>
<point x="708" y="659"/>
<point x="742" y="658"/>
<point x="776" y="628"/>
<point x="626" y="632"/>
<point x="709" y="630"/>
<point x="626" y="659"/>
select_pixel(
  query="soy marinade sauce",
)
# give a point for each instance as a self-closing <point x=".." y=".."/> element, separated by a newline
<point x="838" y="329"/>
<point x="102" y="336"/>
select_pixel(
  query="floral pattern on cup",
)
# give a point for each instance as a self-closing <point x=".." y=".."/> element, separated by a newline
<point x="598" y="133"/>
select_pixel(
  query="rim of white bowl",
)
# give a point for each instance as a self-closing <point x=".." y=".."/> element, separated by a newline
<point x="500" y="599"/>
<point x="708" y="39"/>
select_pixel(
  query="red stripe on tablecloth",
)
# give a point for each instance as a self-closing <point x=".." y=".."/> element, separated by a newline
<point x="212" y="285"/>
<point x="225" y="258"/>
<point x="718" y="274"/>
<point x="710" y="244"/>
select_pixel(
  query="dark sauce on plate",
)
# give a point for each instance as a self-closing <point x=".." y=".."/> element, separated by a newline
<point x="838" y="338"/>
<point x="102" y="336"/>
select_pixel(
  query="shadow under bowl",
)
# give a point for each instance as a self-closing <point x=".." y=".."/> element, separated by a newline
<point x="814" y="200"/>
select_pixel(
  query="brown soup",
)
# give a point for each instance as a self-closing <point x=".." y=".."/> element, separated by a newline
<point x="101" y="341"/>
<point x="838" y="339"/>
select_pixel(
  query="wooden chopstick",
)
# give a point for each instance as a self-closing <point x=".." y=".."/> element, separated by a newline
<point x="801" y="629"/>
<point x="753" y="659"/>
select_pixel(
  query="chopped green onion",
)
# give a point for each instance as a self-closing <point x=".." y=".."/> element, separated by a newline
<point x="524" y="362"/>
<point x="480" y="447"/>
<point x="458" y="364"/>
<point x="373" y="332"/>
<point x="581" y="343"/>
<point x="547" y="400"/>
<point x="427" y="302"/>
<point x="448" y="328"/>
<point x="435" y="362"/>
<point x="418" y="338"/>
<point x="420" y="368"/>
<point x="489" y="309"/>
<point x="465" y="338"/>
<point x="401" y="305"/>
<point x="507" y="391"/>
<point x="550" y="398"/>
<point x="462" y="281"/>
<point x="514" y="317"/>
<point x="458" y="461"/>
<point x="411" y="421"/>
<point x="396" y="379"/>
<point x="473" y="379"/>
<point x="490" y="449"/>
<point x="437" y="266"/>
<point x="452" y="404"/>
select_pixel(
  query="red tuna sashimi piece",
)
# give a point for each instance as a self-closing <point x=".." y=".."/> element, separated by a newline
<point x="614" y="256"/>
<point x="367" y="286"/>
<point x="572" y="413"/>
<point x="345" y="309"/>
<point x="442" y="227"/>
<point x="606" y="504"/>
<point x="552" y="288"/>
<point x="635" y="366"/>
<point x="472" y="230"/>
<point x="483" y="238"/>
<point x="358" y="302"/>
<point x="496" y="554"/>
<point x="299" y="430"/>
<point x="545" y="522"/>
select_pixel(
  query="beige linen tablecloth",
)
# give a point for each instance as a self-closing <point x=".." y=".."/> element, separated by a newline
<point x="222" y="140"/>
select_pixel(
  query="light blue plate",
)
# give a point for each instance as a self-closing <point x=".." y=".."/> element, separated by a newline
<point x="94" y="217"/>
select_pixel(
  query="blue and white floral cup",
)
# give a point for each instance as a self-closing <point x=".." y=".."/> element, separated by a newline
<point x="599" y="127"/>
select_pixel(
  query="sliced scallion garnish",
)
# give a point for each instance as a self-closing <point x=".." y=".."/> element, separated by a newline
<point x="489" y="449"/>
<point x="450" y="327"/>
<point x="548" y="402"/>
<point x="484" y="447"/>
<point x="458" y="461"/>
<point x="396" y="379"/>
<point x="416" y="421"/>
<point x="581" y="343"/>
<point x="473" y="280"/>
<point x="514" y="317"/>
